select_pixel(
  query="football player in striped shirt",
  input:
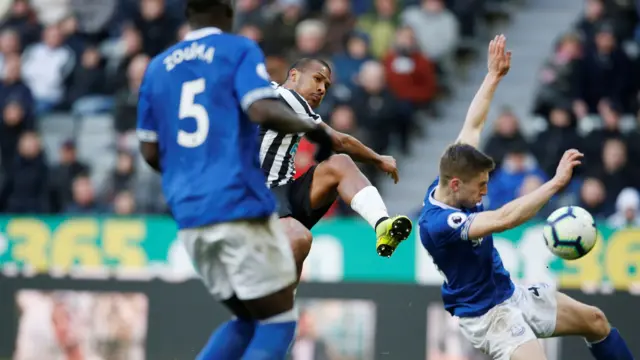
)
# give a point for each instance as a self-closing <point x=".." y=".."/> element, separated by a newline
<point x="304" y="201"/>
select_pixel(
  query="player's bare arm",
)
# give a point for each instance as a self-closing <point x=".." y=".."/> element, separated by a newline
<point x="524" y="208"/>
<point x="277" y="116"/>
<point x="267" y="112"/>
<point x="151" y="154"/>
<point x="347" y="144"/>
<point x="498" y="63"/>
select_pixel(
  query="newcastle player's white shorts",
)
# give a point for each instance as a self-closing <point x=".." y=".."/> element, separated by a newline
<point x="247" y="258"/>
<point x="530" y="313"/>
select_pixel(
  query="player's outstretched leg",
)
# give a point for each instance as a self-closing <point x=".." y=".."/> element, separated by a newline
<point x="340" y="174"/>
<point x="576" y="318"/>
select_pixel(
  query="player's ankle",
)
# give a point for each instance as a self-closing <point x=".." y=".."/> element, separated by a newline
<point x="380" y="221"/>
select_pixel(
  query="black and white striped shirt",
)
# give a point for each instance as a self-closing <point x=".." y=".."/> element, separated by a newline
<point x="277" y="150"/>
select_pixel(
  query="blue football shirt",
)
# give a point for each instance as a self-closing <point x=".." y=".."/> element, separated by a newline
<point x="192" y="102"/>
<point x="475" y="278"/>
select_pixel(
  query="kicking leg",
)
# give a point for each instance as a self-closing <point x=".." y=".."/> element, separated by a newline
<point x="576" y="318"/>
<point x="340" y="174"/>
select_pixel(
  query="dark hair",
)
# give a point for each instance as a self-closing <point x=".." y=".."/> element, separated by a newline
<point x="208" y="6"/>
<point x="303" y="63"/>
<point x="463" y="161"/>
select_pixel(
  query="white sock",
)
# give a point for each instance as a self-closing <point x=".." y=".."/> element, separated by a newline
<point x="368" y="203"/>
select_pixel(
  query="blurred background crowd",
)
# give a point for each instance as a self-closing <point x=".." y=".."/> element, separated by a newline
<point x="70" y="71"/>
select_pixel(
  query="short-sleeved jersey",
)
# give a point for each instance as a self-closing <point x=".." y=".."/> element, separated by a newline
<point x="278" y="150"/>
<point x="475" y="278"/>
<point x="192" y="102"/>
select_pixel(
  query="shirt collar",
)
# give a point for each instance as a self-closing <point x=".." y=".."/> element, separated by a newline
<point x="200" y="33"/>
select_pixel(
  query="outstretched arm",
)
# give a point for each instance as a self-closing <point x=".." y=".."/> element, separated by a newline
<point x="524" y="208"/>
<point x="499" y="62"/>
<point x="347" y="144"/>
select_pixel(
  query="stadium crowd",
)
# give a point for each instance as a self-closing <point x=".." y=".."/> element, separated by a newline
<point x="589" y="99"/>
<point x="82" y="61"/>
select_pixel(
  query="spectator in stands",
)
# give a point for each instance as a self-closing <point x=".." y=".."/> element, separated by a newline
<point x="627" y="210"/>
<point x="557" y="76"/>
<point x="94" y="17"/>
<point x="62" y="176"/>
<point x="343" y="119"/>
<point x="529" y="184"/>
<point x="615" y="172"/>
<point x="411" y="76"/>
<point x="13" y="89"/>
<point x="437" y="31"/>
<point x="380" y="24"/>
<point x="346" y="65"/>
<point x="72" y="39"/>
<point x="126" y="100"/>
<point x="603" y="74"/>
<point x="119" y="53"/>
<point x="84" y="201"/>
<point x="559" y="136"/>
<point x="88" y="92"/>
<point x="594" y="141"/>
<point x="157" y="27"/>
<point x="124" y="204"/>
<point x="506" y="134"/>
<point x="9" y="45"/>
<point x="23" y="19"/>
<point x="249" y="12"/>
<point x="13" y="126"/>
<point x="280" y="32"/>
<point x="339" y="21"/>
<point x="46" y="66"/>
<point x="252" y="32"/>
<point x="310" y="39"/>
<point x="277" y="67"/>
<point x="507" y="181"/>
<point x="376" y="109"/>
<point x="25" y="189"/>
<point x="592" y="197"/>
<point x="594" y="15"/>
<point x="122" y="177"/>
<point x="51" y="12"/>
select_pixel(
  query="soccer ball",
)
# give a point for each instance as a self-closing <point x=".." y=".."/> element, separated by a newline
<point x="570" y="232"/>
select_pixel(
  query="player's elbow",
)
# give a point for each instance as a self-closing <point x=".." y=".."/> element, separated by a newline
<point x="150" y="154"/>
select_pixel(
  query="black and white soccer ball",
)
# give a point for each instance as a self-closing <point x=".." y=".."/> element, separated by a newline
<point x="570" y="232"/>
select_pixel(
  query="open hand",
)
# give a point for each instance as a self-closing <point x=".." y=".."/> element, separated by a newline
<point x="499" y="60"/>
<point x="569" y="161"/>
<point x="388" y="165"/>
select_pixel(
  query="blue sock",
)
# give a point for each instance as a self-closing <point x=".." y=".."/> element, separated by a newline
<point x="229" y="341"/>
<point x="272" y="338"/>
<point x="612" y="347"/>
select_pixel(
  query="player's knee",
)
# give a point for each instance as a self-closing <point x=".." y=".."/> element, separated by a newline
<point x="598" y="325"/>
<point x="340" y="163"/>
<point x="301" y="245"/>
<point x="300" y="238"/>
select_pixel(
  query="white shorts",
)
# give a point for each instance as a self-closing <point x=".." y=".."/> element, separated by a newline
<point x="530" y="313"/>
<point x="249" y="258"/>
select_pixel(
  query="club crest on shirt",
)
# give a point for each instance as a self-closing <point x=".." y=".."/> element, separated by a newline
<point x="456" y="219"/>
